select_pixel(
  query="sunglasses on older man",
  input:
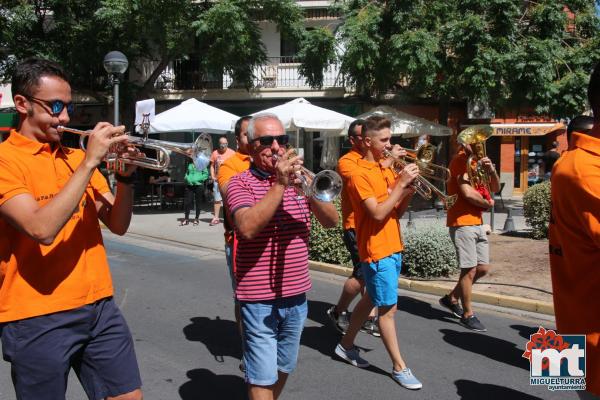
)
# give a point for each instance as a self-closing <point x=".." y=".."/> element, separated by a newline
<point x="55" y="106"/>
<point x="268" y="140"/>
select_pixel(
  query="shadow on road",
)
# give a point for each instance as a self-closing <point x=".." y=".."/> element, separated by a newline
<point x="470" y="390"/>
<point x="524" y="331"/>
<point x="496" y="349"/>
<point x="423" y="309"/>
<point x="220" y="336"/>
<point x="205" y="385"/>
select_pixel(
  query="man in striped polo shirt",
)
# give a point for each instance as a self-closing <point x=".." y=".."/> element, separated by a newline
<point x="272" y="225"/>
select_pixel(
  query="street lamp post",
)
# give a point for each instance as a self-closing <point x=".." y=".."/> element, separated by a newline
<point x="115" y="63"/>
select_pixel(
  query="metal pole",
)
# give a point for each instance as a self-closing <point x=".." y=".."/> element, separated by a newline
<point x="116" y="97"/>
<point x="492" y="212"/>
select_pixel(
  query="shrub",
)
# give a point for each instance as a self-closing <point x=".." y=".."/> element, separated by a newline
<point x="428" y="251"/>
<point x="536" y="208"/>
<point x="327" y="245"/>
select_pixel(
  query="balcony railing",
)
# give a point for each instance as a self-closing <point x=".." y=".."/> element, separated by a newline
<point x="277" y="73"/>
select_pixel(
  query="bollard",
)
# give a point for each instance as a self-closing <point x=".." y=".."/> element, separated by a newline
<point x="509" y="224"/>
<point x="410" y="224"/>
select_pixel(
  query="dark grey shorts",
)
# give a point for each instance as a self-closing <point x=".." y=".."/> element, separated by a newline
<point x="94" y="340"/>
<point x="471" y="244"/>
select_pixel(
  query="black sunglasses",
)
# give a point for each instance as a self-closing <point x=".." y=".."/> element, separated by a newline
<point x="56" y="106"/>
<point x="268" y="140"/>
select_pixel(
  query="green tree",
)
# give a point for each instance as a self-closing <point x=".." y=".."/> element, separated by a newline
<point x="224" y="35"/>
<point x="513" y="54"/>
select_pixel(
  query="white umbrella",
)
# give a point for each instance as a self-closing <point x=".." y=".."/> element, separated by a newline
<point x="406" y="124"/>
<point x="193" y="116"/>
<point x="300" y="113"/>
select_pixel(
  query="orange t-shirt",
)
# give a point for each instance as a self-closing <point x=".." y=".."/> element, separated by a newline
<point x="574" y="238"/>
<point x="462" y="213"/>
<point x="231" y="167"/>
<point x="376" y="240"/>
<point x="71" y="272"/>
<point x="346" y="167"/>
<point x="217" y="159"/>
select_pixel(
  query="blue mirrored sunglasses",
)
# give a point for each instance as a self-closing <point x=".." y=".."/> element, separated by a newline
<point x="56" y="106"/>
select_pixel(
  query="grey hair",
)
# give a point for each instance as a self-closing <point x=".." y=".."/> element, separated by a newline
<point x="259" y="117"/>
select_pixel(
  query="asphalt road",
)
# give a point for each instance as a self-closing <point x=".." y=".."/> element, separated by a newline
<point x="178" y="303"/>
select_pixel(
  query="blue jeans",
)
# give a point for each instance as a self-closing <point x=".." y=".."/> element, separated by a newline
<point x="271" y="341"/>
<point x="381" y="279"/>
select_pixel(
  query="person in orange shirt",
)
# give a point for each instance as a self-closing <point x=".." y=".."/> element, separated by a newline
<point x="54" y="274"/>
<point x="239" y="162"/>
<point x="574" y="239"/>
<point x="338" y="314"/>
<point x="469" y="235"/>
<point x="378" y="199"/>
<point x="217" y="158"/>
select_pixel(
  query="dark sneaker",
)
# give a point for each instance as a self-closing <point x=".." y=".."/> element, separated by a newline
<point x="454" y="308"/>
<point x="351" y="356"/>
<point x="406" y="379"/>
<point x="473" y="324"/>
<point x="340" y="321"/>
<point x="371" y="327"/>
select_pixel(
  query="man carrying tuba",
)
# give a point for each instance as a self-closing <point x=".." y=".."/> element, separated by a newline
<point x="467" y="230"/>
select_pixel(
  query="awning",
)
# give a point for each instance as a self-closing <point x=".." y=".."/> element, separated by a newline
<point x="524" y="129"/>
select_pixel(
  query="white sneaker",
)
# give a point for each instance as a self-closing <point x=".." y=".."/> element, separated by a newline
<point x="351" y="356"/>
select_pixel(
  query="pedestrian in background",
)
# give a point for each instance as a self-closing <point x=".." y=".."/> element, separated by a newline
<point x="194" y="191"/>
<point x="218" y="157"/>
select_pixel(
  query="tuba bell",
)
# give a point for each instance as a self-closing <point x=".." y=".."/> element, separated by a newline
<point x="476" y="136"/>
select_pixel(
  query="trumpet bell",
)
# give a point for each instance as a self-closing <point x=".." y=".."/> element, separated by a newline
<point x="326" y="186"/>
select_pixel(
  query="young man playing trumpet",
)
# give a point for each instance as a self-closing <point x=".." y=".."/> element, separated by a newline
<point x="378" y="199"/>
<point x="56" y="306"/>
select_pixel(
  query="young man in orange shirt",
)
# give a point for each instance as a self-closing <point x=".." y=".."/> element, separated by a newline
<point x="574" y="239"/>
<point x="354" y="284"/>
<point x="378" y="200"/>
<point x="468" y="235"/>
<point x="56" y="305"/>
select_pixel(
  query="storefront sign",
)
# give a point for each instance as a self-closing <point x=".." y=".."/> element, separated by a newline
<point x="525" y="129"/>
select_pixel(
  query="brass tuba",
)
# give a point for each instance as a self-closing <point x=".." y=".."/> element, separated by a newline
<point x="476" y="136"/>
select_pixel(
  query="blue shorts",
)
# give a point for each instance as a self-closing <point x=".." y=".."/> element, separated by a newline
<point x="271" y="340"/>
<point x="381" y="279"/>
<point x="216" y="192"/>
<point x="94" y="340"/>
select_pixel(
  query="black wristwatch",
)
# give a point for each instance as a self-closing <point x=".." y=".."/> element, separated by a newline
<point x="127" y="180"/>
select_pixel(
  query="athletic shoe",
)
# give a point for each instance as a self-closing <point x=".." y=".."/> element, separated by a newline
<point x="454" y="308"/>
<point x="406" y="379"/>
<point x="242" y="366"/>
<point x="340" y="321"/>
<point x="473" y="324"/>
<point x="351" y="356"/>
<point x="371" y="327"/>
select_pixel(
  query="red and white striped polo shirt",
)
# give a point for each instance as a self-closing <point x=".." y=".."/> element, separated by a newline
<point x="275" y="263"/>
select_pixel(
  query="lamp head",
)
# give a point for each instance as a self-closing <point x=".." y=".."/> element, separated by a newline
<point x="115" y="62"/>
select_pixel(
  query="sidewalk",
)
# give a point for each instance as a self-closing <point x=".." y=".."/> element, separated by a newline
<point x="164" y="225"/>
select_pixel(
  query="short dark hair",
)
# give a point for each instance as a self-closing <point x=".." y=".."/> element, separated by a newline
<point x="28" y="73"/>
<point x="594" y="92"/>
<point x="375" y="123"/>
<point x="581" y="124"/>
<point x="354" y="124"/>
<point x="238" y="125"/>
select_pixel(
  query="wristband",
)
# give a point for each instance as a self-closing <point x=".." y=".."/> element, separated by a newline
<point x="127" y="180"/>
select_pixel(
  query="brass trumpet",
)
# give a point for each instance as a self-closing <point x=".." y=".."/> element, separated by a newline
<point x="324" y="186"/>
<point x="199" y="151"/>
<point x="422" y="157"/>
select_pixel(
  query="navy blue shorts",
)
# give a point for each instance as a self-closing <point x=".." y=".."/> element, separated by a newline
<point x="349" y="237"/>
<point x="94" y="340"/>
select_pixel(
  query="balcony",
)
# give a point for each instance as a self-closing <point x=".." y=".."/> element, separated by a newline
<point x="277" y="73"/>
